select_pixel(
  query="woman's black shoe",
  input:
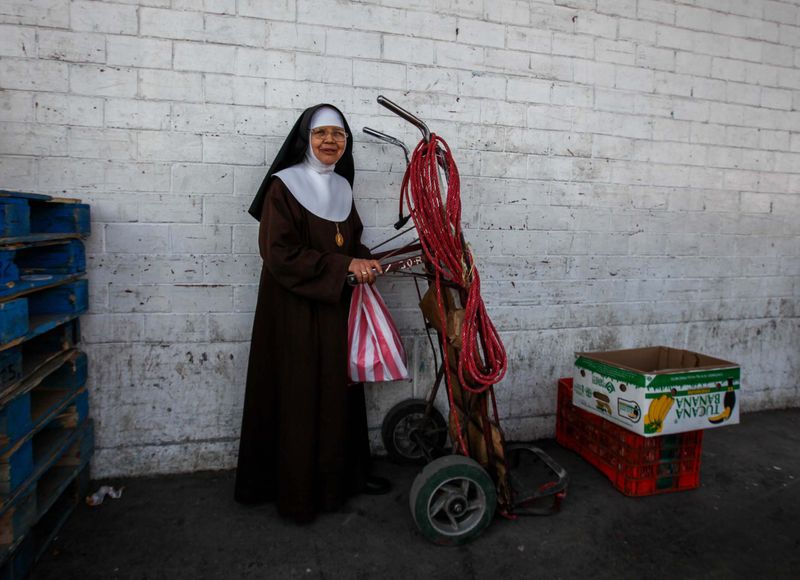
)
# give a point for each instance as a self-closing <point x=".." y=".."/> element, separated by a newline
<point x="377" y="485"/>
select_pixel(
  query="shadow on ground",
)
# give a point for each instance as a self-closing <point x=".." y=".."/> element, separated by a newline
<point x="743" y="522"/>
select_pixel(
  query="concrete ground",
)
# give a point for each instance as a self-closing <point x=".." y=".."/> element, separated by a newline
<point x="743" y="522"/>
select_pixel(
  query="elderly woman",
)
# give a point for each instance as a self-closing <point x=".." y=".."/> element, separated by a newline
<point x="304" y="434"/>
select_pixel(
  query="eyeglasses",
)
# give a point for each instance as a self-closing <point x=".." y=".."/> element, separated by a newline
<point x="336" y="134"/>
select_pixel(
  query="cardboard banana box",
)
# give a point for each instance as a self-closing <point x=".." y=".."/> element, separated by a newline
<point x="658" y="390"/>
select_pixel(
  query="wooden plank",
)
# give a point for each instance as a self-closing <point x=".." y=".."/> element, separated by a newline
<point x="15" y="421"/>
<point x="28" y="527"/>
<point x="24" y="366"/>
<point x="57" y="217"/>
<point x="16" y="466"/>
<point x="15" y="219"/>
<point x="18" y="519"/>
<point x="13" y="320"/>
<point x="35" y="452"/>
<point x="64" y="257"/>
<point x="28" y="267"/>
<point x="5" y="193"/>
<point x="23" y="215"/>
<point x="73" y="360"/>
<point x="42" y="324"/>
<point x="62" y="497"/>
<point x="56" y="239"/>
<point x="30" y="407"/>
<point x="19" y="559"/>
<point x="34" y="284"/>
<point x="65" y="199"/>
<point x="6" y="241"/>
<point x="46" y="310"/>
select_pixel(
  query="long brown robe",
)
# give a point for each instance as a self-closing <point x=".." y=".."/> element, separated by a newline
<point x="304" y="433"/>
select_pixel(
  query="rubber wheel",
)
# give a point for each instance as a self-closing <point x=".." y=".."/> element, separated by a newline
<point x="406" y="418"/>
<point x="452" y="500"/>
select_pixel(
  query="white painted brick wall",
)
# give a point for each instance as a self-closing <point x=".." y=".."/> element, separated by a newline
<point x="630" y="176"/>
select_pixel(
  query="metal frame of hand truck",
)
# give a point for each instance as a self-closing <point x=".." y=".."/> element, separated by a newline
<point x="453" y="499"/>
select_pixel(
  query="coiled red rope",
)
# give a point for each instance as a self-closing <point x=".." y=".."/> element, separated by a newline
<point x="482" y="362"/>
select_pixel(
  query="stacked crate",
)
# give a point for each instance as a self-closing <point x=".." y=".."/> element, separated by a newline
<point x="46" y="438"/>
<point x="637" y="466"/>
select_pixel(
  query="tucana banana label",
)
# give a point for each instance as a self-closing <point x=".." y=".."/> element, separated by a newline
<point x="657" y="402"/>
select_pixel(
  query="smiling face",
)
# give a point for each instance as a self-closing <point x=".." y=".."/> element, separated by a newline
<point x="328" y="143"/>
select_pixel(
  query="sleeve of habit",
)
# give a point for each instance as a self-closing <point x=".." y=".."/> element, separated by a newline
<point x="300" y="269"/>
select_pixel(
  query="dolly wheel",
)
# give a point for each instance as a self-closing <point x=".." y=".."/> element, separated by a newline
<point x="453" y="500"/>
<point x="406" y="429"/>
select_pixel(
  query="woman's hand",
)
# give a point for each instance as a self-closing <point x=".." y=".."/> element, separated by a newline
<point x="363" y="270"/>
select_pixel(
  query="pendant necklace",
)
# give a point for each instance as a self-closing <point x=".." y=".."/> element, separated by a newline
<point x="339" y="237"/>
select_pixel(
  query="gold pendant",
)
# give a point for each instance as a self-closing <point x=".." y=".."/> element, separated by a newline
<point x="339" y="237"/>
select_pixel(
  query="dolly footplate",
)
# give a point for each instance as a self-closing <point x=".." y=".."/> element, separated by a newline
<point x="546" y="498"/>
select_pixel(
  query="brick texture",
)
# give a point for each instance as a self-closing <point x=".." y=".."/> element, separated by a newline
<point x="630" y="173"/>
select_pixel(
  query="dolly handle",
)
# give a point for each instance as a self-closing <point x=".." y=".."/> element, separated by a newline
<point x="401" y="112"/>
<point x="352" y="280"/>
<point x="388" y="139"/>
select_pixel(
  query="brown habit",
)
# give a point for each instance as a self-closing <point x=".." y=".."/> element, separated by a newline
<point x="304" y="433"/>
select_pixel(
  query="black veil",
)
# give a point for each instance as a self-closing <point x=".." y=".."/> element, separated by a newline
<point x="293" y="151"/>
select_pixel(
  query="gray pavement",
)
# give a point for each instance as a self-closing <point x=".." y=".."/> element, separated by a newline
<point x="743" y="522"/>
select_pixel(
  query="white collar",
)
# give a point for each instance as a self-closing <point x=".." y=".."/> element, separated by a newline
<point x="318" y="188"/>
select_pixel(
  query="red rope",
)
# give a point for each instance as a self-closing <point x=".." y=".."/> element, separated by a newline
<point x="483" y="358"/>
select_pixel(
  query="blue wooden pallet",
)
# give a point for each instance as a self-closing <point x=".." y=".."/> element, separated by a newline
<point x="35" y="542"/>
<point x="24" y="366"/>
<point x="27" y="267"/>
<point x="28" y="316"/>
<point x="36" y="217"/>
<point x="46" y="438"/>
<point x="23" y="460"/>
<point x="37" y="405"/>
<point x="29" y="523"/>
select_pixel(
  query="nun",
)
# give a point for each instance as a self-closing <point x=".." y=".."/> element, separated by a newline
<point x="304" y="441"/>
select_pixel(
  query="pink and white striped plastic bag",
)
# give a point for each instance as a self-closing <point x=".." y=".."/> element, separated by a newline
<point x="376" y="351"/>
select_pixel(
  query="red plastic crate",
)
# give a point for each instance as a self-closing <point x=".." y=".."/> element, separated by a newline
<point x="636" y="465"/>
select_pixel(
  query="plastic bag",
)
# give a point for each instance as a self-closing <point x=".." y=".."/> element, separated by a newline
<point x="376" y="350"/>
<point x="106" y="490"/>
